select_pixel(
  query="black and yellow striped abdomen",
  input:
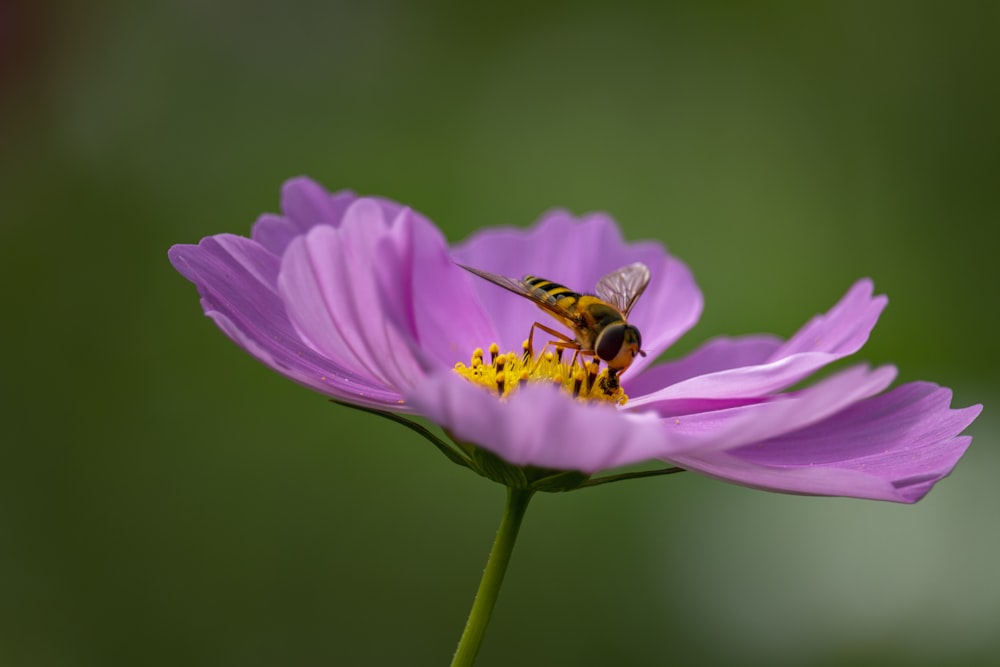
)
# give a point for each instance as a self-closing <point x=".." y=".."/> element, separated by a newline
<point x="550" y="288"/>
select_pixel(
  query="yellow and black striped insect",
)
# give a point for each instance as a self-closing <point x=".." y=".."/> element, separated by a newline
<point x="598" y="321"/>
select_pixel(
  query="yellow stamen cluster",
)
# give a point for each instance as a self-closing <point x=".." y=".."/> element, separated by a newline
<point x="505" y="373"/>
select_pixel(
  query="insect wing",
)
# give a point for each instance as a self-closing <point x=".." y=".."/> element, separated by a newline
<point x="539" y="296"/>
<point x="623" y="287"/>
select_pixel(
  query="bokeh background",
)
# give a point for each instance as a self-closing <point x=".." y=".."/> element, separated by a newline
<point x="165" y="500"/>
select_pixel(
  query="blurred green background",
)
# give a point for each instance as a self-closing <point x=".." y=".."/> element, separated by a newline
<point x="165" y="500"/>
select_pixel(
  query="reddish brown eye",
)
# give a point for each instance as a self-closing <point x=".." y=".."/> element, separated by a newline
<point x="610" y="342"/>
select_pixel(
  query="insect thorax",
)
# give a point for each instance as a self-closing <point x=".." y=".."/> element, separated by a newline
<point x="595" y="314"/>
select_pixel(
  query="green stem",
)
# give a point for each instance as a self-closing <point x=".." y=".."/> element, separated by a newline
<point x="489" y="586"/>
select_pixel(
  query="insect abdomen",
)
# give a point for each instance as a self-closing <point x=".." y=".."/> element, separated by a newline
<point x="563" y="296"/>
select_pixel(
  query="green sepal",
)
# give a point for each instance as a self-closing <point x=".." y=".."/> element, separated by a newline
<point x="558" y="481"/>
<point x="491" y="466"/>
<point x="454" y="456"/>
<point x="638" y="474"/>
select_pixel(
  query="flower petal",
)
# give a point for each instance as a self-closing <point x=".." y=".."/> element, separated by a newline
<point x="843" y="329"/>
<point x="540" y="425"/>
<point x="274" y="232"/>
<point x="328" y="282"/>
<point x="838" y="333"/>
<point x="237" y="279"/>
<point x="427" y="297"/>
<point x="895" y="446"/>
<point x="305" y="204"/>
<point x="715" y="355"/>
<point x="726" y="427"/>
<point x="577" y="252"/>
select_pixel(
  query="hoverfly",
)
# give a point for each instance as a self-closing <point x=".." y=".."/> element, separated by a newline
<point x="599" y="322"/>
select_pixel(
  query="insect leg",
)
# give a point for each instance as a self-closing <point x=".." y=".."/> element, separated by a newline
<point x="564" y="343"/>
<point x="561" y="336"/>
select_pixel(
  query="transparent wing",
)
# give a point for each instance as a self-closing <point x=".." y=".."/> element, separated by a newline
<point x="623" y="287"/>
<point x="540" y="297"/>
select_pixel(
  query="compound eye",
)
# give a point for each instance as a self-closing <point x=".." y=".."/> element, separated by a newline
<point x="610" y="342"/>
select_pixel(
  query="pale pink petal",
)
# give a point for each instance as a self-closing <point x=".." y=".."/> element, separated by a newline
<point x="237" y="279"/>
<point x="274" y="232"/>
<point x="426" y="296"/>
<point x="895" y="446"/>
<point x="715" y="355"/>
<point x="329" y="285"/>
<point x="727" y="427"/>
<point x="305" y="204"/>
<point x="840" y="332"/>
<point x="539" y="425"/>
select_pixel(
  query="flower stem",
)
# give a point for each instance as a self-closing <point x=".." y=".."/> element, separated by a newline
<point x="489" y="586"/>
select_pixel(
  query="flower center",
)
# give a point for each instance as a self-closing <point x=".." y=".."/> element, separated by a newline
<point x="505" y="373"/>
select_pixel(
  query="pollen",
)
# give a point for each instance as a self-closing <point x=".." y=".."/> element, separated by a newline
<point x="504" y="374"/>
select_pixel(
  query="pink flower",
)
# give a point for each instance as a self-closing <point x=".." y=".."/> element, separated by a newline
<point x="361" y="299"/>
